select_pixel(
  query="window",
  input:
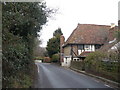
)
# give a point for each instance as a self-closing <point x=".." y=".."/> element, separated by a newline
<point x="97" y="46"/>
<point x="80" y="47"/>
<point x="74" y="59"/>
<point x="87" y="47"/>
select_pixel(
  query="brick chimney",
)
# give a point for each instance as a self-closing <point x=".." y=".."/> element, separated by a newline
<point x="62" y="41"/>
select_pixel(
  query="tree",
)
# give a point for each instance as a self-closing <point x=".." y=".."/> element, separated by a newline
<point x="55" y="57"/>
<point x="53" y="45"/>
<point x="57" y="33"/>
<point x="21" y="23"/>
<point x="38" y="50"/>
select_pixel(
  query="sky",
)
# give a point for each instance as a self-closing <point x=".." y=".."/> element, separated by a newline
<point x="72" y="12"/>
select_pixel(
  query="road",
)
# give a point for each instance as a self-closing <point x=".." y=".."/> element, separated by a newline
<point x="53" y="76"/>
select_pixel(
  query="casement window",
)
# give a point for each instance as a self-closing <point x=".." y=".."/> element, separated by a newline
<point x="80" y="47"/>
<point x="87" y="47"/>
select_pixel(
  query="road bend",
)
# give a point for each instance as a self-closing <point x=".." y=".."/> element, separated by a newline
<point x="53" y="76"/>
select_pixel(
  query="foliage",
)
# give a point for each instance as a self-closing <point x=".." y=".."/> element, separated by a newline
<point x="38" y="58"/>
<point x="15" y="59"/>
<point x="55" y="57"/>
<point x="21" y="23"/>
<point x="113" y="56"/>
<point x="53" y="45"/>
<point x="103" y="64"/>
<point x="77" y="65"/>
<point x="57" y="33"/>
<point x="94" y="59"/>
<point x="38" y="50"/>
<point x="22" y="19"/>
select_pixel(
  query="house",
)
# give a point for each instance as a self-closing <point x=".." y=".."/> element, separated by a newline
<point x="111" y="44"/>
<point x="85" y="39"/>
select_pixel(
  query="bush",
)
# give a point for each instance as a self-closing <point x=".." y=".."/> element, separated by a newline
<point x="77" y="65"/>
<point x="20" y="27"/>
<point x="93" y="61"/>
<point x="16" y="61"/>
<point x="55" y="57"/>
<point x="38" y="58"/>
<point x="103" y="64"/>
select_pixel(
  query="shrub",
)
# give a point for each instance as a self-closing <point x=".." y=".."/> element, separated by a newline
<point x="38" y="58"/>
<point x="77" y="65"/>
<point x="15" y="60"/>
<point x="93" y="61"/>
<point x="113" y="56"/>
<point x="103" y="64"/>
<point x="55" y="57"/>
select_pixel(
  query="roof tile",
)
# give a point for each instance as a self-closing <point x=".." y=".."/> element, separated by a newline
<point x="89" y="34"/>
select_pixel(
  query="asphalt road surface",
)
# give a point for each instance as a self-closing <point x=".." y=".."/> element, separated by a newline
<point x="53" y="76"/>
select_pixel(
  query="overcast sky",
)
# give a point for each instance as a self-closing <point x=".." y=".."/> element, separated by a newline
<point x="72" y="12"/>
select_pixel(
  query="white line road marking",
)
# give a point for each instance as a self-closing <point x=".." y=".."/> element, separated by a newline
<point x="106" y="85"/>
<point x="38" y="68"/>
<point x="96" y="81"/>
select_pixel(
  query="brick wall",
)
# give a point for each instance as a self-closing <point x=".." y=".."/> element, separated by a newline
<point x="62" y="41"/>
<point x="67" y="50"/>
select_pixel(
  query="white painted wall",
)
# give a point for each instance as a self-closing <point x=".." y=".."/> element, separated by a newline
<point x="76" y="59"/>
<point x="80" y="51"/>
<point x="38" y="61"/>
<point x="66" y="62"/>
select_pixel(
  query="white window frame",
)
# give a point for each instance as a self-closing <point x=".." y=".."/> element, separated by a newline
<point x="87" y="47"/>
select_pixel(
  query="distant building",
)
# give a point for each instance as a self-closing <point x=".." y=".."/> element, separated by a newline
<point x="85" y="39"/>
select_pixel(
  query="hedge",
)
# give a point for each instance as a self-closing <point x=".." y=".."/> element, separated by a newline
<point x="100" y="64"/>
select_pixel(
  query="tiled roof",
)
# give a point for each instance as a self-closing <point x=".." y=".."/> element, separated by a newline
<point x="108" y="46"/>
<point x="111" y="39"/>
<point x="89" y="34"/>
<point x="112" y="33"/>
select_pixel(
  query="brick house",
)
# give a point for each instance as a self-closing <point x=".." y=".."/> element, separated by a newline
<point x="86" y="38"/>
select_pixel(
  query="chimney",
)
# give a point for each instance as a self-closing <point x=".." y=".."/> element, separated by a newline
<point x="112" y="25"/>
<point x="62" y="41"/>
<point x="111" y="36"/>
